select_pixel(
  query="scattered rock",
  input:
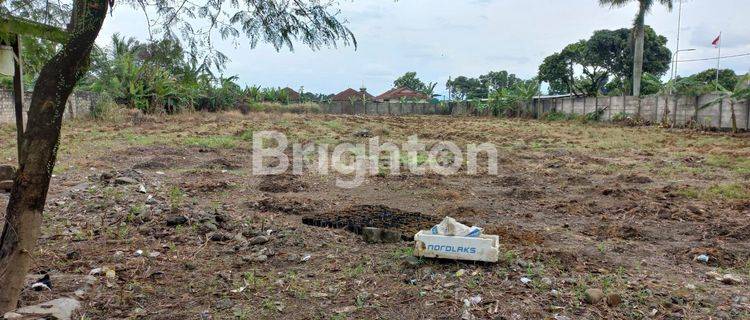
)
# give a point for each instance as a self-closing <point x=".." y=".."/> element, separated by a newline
<point x="125" y="180"/>
<point x="220" y="236"/>
<point x="118" y="256"/>
<point x="593" y="296"/>
<point x="258" y="240"/>
<point x="547" y="281"/>
<point x="176" y="221"/>
<point x="347" y="309"/>
<point x="151" y="200"/>
<point x="412" y="260"/>
<point x="61" y="309"/>
<point x="363" y="133"/>
<point x="613" y="300"/>
<point x="372" y="235"/>
<point x="106" y="176"/>
<point x="142" y="189"/>
<point x="223" y="304"/>
<point x="731" y="279"/>
<point x="72" y="255"/>
<point x="255" y="258"/>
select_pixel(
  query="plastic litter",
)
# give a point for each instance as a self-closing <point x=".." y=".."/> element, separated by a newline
<point x="43" y="283"/>
<point x="702" y="258"/>
<point x="451" y="227"/>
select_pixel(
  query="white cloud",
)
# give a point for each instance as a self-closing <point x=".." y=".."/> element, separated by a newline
<point x="442" y="38"/>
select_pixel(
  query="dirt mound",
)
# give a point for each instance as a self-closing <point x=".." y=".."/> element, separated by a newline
<point x="511" y="181"/>
<point x="204" y="186"/>
<point x="634" y="178"/>
<point x="288" y="206"/>
<point x="524" y="193"/>
<point x="282" y="183"/>
<point x="515" y="234"/>
<point x="155" y="163"/>
<point x="466" y="215"/>
<point x="616" y="231"/>
<point x="220" y="164"/>
<point x="355" y="218"/>
<point x="153" y="150"/>
<point x="567" y="260"/>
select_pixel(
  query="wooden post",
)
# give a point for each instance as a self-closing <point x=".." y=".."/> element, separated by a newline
<point x="747" y="114"/>
<point x="18" y="95"/>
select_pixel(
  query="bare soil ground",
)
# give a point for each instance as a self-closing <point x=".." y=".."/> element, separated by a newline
<point x="625" y="210"/>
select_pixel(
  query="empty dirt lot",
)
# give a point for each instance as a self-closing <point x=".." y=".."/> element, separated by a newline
<point x="630" y="211"/>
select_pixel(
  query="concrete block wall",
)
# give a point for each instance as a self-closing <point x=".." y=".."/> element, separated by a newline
<point x="79" y="104"/>
<point x="681" y="109"/>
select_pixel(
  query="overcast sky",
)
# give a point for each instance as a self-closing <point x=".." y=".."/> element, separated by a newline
<point x="442" y="38"/>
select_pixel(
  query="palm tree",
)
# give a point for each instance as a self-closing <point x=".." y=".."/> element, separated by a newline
<point x="644" y="6"/>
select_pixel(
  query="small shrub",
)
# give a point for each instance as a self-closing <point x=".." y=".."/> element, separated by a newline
<point x="556" y="116"/>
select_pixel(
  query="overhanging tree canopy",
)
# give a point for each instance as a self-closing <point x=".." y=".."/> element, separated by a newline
<point x="194" y="23"/>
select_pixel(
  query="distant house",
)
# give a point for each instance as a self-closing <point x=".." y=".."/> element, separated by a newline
<point x="293" y="96"/>
<point x="397" y="94"/>
<point x="349" y="94"/>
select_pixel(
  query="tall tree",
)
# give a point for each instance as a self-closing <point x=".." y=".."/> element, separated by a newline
<point x="279" y="22"/>
<point x="727" y="77"/>
<point x="411" y="81"/>
<point x="463" y="87"/>
<point x="584" y="67"/>
<point x="644" y="6"/>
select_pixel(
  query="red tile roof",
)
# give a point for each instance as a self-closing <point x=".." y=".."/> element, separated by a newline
<point x="346" y="94"/>
<point x="401" y="92"/>
<point x="293" y="95"/>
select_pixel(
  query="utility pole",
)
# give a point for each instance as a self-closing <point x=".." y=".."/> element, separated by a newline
<point x="677" y="48"/>
<point x="718" y="61"/>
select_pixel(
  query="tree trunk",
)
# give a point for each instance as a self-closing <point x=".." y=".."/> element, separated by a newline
<point x="640" y="35"/>
<point x="56" y="81"/>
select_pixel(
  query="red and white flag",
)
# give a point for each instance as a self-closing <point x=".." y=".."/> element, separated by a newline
<point x="716" y="41"/>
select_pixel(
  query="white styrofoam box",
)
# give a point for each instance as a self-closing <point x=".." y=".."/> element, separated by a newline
<point x="482" y="248"/>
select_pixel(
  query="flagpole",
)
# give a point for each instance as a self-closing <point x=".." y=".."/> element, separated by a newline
<point x="718" y="61"/>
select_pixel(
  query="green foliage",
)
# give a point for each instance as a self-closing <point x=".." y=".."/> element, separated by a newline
<point x="557" y="116"/>
<point x="465" y="88"/>
<point x="727" y="77"/>
<point x="509" y="101"/>
<point x="409" y="80"/>
<point x="606" y="55"/>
